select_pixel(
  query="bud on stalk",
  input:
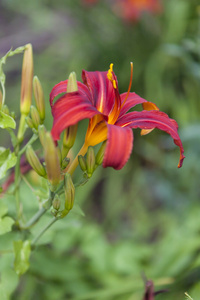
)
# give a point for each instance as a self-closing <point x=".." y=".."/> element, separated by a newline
<point x="52" y="161"/>
<point x="35" y="162"/>
<point x="27" y="80"/>
<point x="82" y="163"/>
<point x="26" y="89"/>
<point x="100" y="154"/>
<point x="35" y="117"/>
<point x="90" y="161"/>
<point x="69" y="192"/>
<point x="39" y="98"/>
<point x="42" y="134"/>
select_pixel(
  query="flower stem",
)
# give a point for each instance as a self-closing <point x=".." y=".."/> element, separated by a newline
<point x="31" y="141"/>
<point x="35" y="240"/>
<point x="74" y="163"/>
<point x="35" y="218"/>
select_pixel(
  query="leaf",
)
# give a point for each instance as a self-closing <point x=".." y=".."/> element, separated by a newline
<point x="6" y="225"/>
<point x="3" y="154"/>
<point x="3" y="209"/>
<point x="3" y="61"/>
<point x="22" y="252"/>
<point x="77" y="210"/>
<point x="8" y="284"/>
<point x="8" y="163"/>
<point x="6" y="121"/>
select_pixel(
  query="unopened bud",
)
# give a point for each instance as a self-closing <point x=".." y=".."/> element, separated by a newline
<point x="72" y="83"/>
<point x="69" y="139"/>
<point x="56" y="203"/>
<point x="90" y="161"/>
<point x="42" y="134"/>
<point x="35" y="116"/>
<point x="65" y="162"/>
<point x="69" y="192"/>
<point x="82" y="163"/>
<point x="34" y="161"/>
<point x="52" y="161"/>
<point x="100" y="154"/>
<point x="29" y="122"/>
<point x="39" y="97"/>
<point x="27" y="80"/>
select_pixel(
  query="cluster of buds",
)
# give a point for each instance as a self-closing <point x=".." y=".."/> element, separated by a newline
<point x="62" y="206"/>
<point x="89" y="163"/>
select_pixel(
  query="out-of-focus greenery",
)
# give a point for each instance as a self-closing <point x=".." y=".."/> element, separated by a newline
<point x="144" y="219"/>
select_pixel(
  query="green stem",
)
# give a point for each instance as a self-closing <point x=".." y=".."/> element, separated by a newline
<point x="35" y="240"/>
<point x="31" y="141"/>
<point x="17" y="178"/>
<point x="35" y="218"/>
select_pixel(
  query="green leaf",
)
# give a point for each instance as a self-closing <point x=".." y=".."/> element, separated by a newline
<point x="3" y="61"/>
<point x="8" y="284"/>
<point x="8" y="163"/>
<point x="6" y="225"/>
<point x="6" y="121"/>
<point x="3" y="209"/>
<point x="3" y="154"/>
<point x="22" y="252"/>
<point x="77" y="210"/>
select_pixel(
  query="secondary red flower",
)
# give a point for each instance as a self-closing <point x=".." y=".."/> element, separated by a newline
<point x="131" y="10"/>
<point x="98" y="100"/>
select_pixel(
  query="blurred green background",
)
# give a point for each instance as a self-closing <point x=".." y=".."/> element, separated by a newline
<point x="145" y="219"/>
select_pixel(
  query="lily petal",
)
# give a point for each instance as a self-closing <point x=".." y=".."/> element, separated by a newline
<point x="61" y="87"/>
<point x="69" y="110"/>
<point x="119" y="146"/>
<point x="153" y="119"/>
<point x="101" y="89"/>
<point x="134" y="99"/>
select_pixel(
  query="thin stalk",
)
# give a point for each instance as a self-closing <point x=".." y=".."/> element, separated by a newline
<point x="31" y="141"/>
<point x="35" y="218"/>
<point x="17" y="178"/>
<point x="35" y="240"/>
<point x="74" y="164"/>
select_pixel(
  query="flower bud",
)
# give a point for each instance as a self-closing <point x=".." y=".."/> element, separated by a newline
<point x="34" y="161"/>
<point x="42" y="134"/>
<point x="69" y="192"/>
<point x="82" y="163"/>
<point x="100" y="154"/>
<point x="69" y="138"/>
<point x="39" y="97"/>
<point x="65" y="162"/>
<point x="35" y="116"/>
<point x="90" y="161"/>
<point x="29" y="122"/>
<point x="72" y="83"/>
<point x="56" y="203"/>
<point x="27" y="80"/>
<point x="52" y="161"/>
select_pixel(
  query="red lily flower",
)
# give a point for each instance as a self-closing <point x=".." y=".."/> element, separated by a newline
<point x="98" y="99"/>
<point x="131" y="10"/>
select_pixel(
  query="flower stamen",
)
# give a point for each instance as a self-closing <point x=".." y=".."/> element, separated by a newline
<point x="110" y="76"/>
<point x="130" y="84"/>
